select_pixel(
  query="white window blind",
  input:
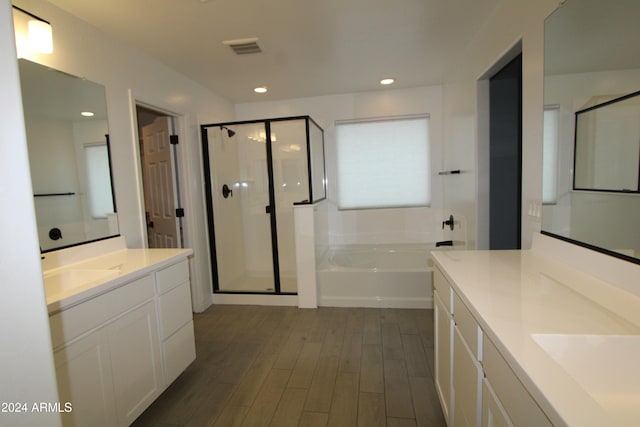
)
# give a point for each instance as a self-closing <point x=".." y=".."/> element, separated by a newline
<point x="550" y="155"/>
<point x="383" y="163"/>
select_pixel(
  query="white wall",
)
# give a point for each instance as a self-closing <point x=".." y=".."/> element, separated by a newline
<point x="26" y="372"/>
<point x="464" y="112"/>
<point x="129" y="76"/>
<point x="374" y="225"/>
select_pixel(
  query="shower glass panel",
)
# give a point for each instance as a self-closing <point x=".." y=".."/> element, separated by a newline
<point x="239" y="190"/>
<point x="316" y="148"/>
<point x="255" y="172"/>
<point x="291" y="185"/>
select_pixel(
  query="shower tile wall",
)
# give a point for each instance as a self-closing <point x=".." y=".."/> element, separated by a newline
<point x="382" y="226"/>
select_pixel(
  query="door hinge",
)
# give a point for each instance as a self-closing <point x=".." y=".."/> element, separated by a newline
<point x="173" y="139"/>
<point x="180" y="213"/>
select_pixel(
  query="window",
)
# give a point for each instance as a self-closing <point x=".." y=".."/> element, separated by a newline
<point x="550" y="155"/>
<point x="98" y="180"/>
<point x="383" y="163"/>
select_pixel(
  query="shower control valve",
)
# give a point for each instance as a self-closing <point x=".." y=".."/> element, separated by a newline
<point x="449" y="223"/>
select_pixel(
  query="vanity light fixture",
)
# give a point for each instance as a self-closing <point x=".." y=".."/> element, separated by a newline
<point x="87" y="113"/>
<point x="387" y="81"/>
<point x="40" y="34"/>
<point x="260" y="89"/>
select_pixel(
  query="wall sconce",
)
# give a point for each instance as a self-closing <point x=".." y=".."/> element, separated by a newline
<point x="40" y="34"/>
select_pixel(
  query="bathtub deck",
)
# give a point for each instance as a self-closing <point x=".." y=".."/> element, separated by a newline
<point x="283" y="366"/>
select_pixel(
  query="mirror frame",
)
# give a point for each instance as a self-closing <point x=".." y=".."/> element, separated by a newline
<point x="575" y="148"/>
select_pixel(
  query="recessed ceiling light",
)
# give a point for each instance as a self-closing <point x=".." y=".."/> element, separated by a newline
<point x="87" y="114"/>
<point x="386" y="81"/>
<point x="260" y="89"/>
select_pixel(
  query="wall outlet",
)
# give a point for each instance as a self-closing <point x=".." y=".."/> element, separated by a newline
<point x="534" y="209"/>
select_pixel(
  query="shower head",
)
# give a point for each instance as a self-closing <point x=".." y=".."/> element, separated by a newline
<point x="229" y="131"/>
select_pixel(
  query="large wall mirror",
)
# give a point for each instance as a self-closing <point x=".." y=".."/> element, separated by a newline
<point x="68" y="143"/>
<point x="592" y="126"/>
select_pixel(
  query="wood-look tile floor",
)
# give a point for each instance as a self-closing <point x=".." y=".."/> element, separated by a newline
<point x="284" y="366"/>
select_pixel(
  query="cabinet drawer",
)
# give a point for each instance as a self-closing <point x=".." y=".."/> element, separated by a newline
<point x="70" y="324"/>
<point x="175" y="309"/>
<point x="172" y="276"/>
<point x="521" y="408"/>
<point x="467" y="325"/>
<point x="179" y="351"/>
<point x="441" y="285"/>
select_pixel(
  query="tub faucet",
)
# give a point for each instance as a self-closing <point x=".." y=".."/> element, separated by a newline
<point x="444" y="243"/>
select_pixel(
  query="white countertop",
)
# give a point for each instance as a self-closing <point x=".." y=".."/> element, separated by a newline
<point x="524" y="301"/>
<point x="72" y="284"/>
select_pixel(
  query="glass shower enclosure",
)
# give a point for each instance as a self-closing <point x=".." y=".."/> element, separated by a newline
<point x="255" y="172"/>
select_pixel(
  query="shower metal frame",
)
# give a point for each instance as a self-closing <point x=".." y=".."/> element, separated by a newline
<point x="272" y="202"/>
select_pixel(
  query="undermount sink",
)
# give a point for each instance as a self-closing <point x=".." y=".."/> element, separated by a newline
<point x="71" y="279"/>
<point x="605" y="366"/>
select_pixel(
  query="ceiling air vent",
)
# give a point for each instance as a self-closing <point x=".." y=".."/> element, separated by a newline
<point x="244" y="46"/>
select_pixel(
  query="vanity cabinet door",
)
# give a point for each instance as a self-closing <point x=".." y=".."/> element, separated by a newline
<point x="467" y="380"/>
<point x="467" y="371"/>
<point x="83" y="370"/>
<point x="443" y="345"/>
<point x="493" y="414"/>
<point x="135" y="358"/>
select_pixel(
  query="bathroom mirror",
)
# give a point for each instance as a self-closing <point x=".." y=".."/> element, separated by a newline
<point x="607" y="147"/>
<point x="591" y="154"/>
<point x="68" y="142"/>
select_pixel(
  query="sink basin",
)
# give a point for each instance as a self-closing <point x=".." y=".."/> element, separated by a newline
<point x="605" y="366"/>
<point x="70" y="279"/>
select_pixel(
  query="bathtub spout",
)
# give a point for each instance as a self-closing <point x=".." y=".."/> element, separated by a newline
<point x="444" y="243"/>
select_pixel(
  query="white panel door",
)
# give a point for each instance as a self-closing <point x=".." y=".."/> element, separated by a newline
<point x="163" y="228"/>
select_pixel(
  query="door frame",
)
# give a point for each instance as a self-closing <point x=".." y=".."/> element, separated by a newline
<point x="175" y="155"/>
<point x="483" y="144"/>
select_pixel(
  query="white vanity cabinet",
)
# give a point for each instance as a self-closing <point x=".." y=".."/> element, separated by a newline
<point x="443" y="333"/>
<point x="475" y="384"/>
<point x="458" y="378"/>
<point x="107" y="355"/>
<point x="513" y="405"/>
<point x="175" y="319"/>
<point x="467" y="371"/>
<point x="116" y="352"/>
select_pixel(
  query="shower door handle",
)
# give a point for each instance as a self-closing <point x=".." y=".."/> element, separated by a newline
<point x="267" y="209"/>
<point x="226" y="191"/>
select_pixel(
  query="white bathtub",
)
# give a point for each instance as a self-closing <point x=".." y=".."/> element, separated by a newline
<point x="376" y="276"/>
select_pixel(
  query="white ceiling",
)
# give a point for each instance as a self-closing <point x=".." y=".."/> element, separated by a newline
<point x="310" y="47"/>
